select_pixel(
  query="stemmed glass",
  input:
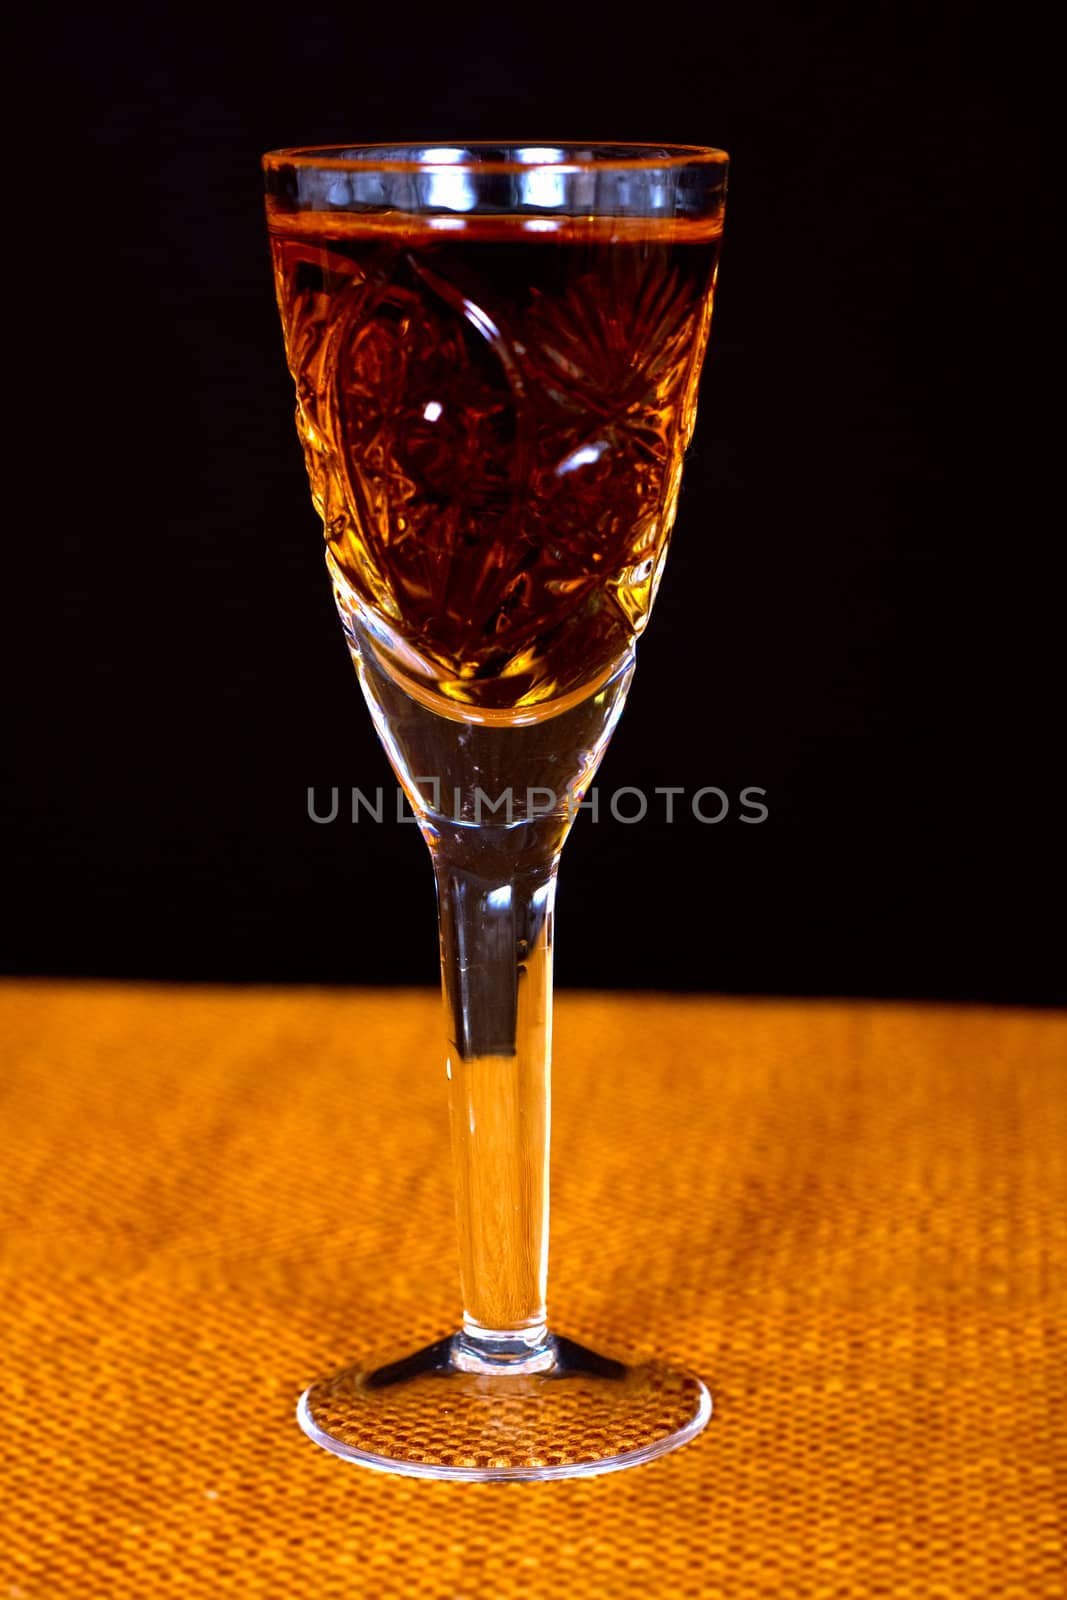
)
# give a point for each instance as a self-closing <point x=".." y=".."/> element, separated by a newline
<point x="496" y="351"/>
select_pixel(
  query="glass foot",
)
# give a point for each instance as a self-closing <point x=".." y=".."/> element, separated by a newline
<point x="564" y="1412"/>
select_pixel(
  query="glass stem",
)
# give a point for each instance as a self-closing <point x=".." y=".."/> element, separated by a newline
<point x="496" y="882"/>
<point x="496" y="969"/>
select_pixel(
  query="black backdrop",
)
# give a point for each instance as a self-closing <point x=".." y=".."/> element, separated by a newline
<point x="858" y="615"/>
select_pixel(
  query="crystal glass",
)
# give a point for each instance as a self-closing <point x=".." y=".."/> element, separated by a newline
<point x="496" y="352"/>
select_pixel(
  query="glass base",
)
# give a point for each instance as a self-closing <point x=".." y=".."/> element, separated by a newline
<point x="562" y="1412"/>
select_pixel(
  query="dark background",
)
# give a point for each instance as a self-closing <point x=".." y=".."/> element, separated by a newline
<point x="859" y="614"/>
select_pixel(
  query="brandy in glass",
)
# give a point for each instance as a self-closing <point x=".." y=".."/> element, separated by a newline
<point x="496" y="351"/>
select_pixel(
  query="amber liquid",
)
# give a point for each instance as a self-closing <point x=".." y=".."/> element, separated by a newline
<point x="493" y="419"/>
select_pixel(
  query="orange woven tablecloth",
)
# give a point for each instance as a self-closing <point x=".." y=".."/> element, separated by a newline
<point x="850" y="1219"/>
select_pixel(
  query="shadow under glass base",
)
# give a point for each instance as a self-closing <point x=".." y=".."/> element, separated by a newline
<point x="563" y="1413"/>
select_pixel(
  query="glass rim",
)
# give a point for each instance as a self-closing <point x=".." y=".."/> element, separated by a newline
<point x="659" y="157"/>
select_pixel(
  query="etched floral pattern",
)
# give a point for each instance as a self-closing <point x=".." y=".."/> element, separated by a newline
<point x="495" y="445"/>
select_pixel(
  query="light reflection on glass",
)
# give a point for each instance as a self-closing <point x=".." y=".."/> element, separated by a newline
<point x="540" y="188"/>
<point x="453" y="190"/>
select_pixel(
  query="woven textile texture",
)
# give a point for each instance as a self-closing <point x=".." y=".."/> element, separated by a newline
<point x="850" y="1219"/>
